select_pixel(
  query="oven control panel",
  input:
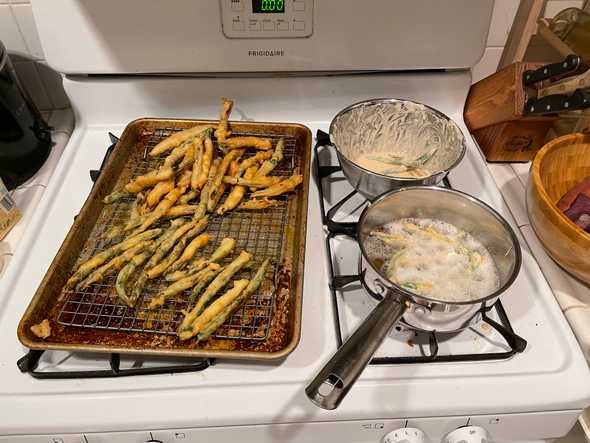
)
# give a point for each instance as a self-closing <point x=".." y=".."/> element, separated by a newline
<point x="267" y="18"/>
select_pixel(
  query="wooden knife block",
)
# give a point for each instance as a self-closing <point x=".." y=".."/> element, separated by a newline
<point x="513" y="141"/>
<point x="494" y="115"/>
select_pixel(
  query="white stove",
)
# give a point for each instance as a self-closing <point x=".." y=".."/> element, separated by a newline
<point x="531" y="395"/>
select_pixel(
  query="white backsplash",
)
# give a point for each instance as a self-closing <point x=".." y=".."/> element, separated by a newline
<point x="18" y="32"/>
<point x="502" y="18"/>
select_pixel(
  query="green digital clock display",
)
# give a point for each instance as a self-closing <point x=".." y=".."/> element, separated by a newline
<point x="268" y="6"/>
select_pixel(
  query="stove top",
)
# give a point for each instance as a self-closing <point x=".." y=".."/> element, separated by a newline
<point x="535" y="380"/>
<point x="491" y="338"/>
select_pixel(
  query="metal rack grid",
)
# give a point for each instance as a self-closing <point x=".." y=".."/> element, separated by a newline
<point x="259" y="232"/>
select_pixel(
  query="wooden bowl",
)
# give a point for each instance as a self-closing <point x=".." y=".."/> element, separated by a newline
<point x="559" y="166"/>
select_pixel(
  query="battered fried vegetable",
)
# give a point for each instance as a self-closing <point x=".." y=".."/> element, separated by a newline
<point x="127" y="272"/>
<point x="202" y="284"/>
<point x="159" y="191"/>
<point x="201" y="179"/>
<point x="186" y="198"/>
<point x="247" y="142"/>
<point x="253" y="161"/>
<point x="181" y="210"/>
<point x="190" y="251"/>
<point x="113" y="232"/>
<point x="177" y="229"/>
<point x="222" y="129"/>
<point x="134" y="222"/>
<point x="254" y="204"/>
<point x="149" y="179"/>
<point x="134" y="212"/>
<point x="236" y="194"/>
<point x="161" y="209"/>
<point x="195" y="267"/>
<point x="217" y="321"/>
<point x="113" y="265"/>
<point x="219" y="282"/>
<point x="225" y="248"/>
<point x="115" y="196"/>
<point x="157" y="267"/>
<point x="184" y="180"/>
<point x="170" y="238"/>
<point x="135" y="216"/>
<point x="255" y="182"/>
<point x="198" y="163"/>
<point x="180" y="286"/>
<point x="202" y="207"/>
<point x="189" y="157"/>
<point x="177" y="154"/>
<point x="94" y="262"/>
<point x="280" y="188"/>
<point x="163" y="266"/>
<point x="214" y="309"/>
<point x="216" y="190"/>
<point x="176" y="139"/>
<point x="268" y="166"/>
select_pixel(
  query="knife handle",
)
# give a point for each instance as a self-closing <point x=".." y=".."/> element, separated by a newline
<point x="551" y="104"/>
<point x="569" y="64"/>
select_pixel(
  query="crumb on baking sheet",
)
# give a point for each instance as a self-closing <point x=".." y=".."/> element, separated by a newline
<point x="42" y="330"/>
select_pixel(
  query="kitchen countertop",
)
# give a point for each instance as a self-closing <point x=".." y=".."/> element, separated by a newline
<point x="28" y="195"/>
<point x="572" y="295"/>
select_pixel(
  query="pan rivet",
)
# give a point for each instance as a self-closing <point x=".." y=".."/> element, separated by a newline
<point x="379" y="286"/>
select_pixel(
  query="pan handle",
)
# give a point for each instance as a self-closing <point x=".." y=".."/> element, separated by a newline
<point x="336" y="378"/>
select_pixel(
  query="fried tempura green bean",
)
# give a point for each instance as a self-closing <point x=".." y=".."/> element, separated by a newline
<point x="253" y="286"/>
<point x="115" y="196"/>
<point x="94" y="262"/>
<point x="272" y="163"/>
<point x="176" y="139"/>
<point x="161" y="267"/>
<point x="161" y="209"/>
<point x="214" y="309"/>
<point x="113" y="265"/>
<point x="219" y="282"/>
<point x="180" y="286"/>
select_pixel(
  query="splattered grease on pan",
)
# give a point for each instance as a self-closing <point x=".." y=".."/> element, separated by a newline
<point x="435" y="259"/>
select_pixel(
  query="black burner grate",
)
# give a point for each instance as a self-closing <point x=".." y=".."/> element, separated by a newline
<point x="339" y="282"/>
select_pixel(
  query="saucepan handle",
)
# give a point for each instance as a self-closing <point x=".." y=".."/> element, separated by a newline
<point x="336" y="378"/>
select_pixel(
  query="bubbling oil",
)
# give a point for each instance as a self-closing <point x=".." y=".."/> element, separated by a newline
<point x="433" y="258"/>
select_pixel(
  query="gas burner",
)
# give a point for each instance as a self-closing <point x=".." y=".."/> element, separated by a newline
<point x="489" y="335"/>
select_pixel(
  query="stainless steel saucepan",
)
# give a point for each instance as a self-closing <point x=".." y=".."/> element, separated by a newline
<point x="467" y="213"/>
<point x="399" y="127"/>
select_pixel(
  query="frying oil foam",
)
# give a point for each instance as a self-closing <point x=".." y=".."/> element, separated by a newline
<point x="434" y="258"/>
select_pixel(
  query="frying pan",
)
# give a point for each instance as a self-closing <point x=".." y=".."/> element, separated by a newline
<point x="467" y="213"/>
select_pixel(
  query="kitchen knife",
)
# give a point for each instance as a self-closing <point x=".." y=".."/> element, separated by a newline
<point x="567" y="85"/>
<point x="555" y="103"/>
<point x="569" y="65"/>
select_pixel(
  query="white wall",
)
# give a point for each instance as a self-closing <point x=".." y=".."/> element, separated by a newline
<point x="503" y="16"/>
<point x="19" y="34"/>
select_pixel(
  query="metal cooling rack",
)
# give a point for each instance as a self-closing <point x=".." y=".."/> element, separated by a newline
<point x="259" y="232"/>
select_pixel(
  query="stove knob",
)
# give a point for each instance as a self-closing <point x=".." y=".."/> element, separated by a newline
<point x="467" y="434"/>
<point x="405" y="435"/>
